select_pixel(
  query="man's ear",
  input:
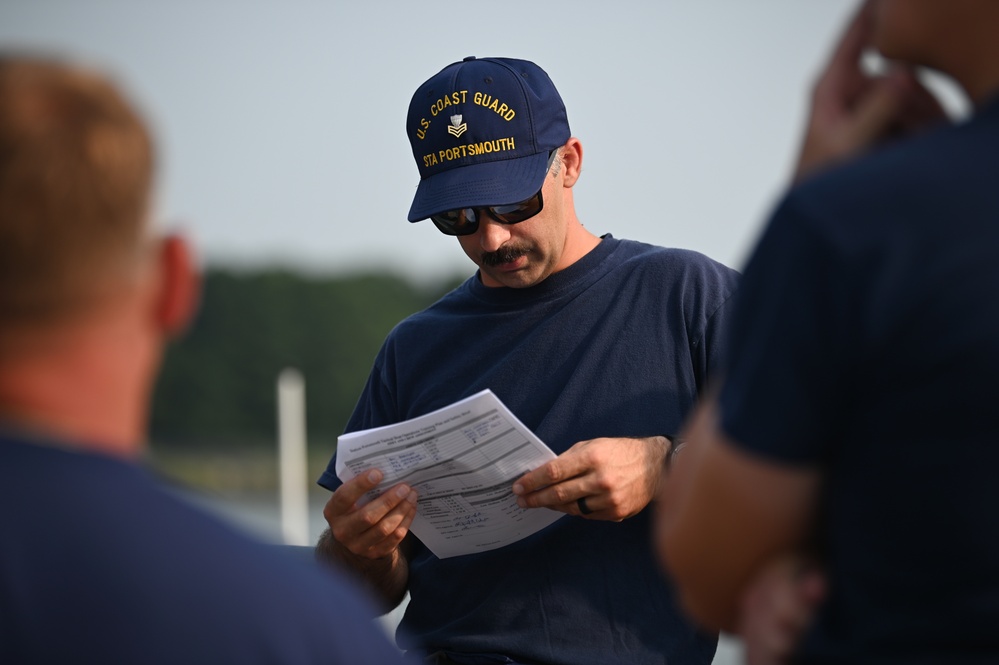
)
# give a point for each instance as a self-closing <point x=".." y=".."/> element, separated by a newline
<point x="179" y="286"/>
<point x="572" y="161"/>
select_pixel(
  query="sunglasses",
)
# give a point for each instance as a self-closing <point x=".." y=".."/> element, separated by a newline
<point x="465" y="221"/>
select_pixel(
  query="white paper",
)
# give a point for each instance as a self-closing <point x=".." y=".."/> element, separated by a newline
<point x="462" y="461"/>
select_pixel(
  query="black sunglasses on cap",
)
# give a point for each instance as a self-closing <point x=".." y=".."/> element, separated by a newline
<point x="465" y="221"/>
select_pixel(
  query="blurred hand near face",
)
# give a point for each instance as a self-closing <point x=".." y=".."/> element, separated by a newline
<point x="852" y="110"/>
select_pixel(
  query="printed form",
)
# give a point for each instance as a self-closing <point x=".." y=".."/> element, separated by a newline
<point x="462" y="461"/>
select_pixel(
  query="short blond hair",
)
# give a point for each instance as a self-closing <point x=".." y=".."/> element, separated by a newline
<point x="76" y="170"/>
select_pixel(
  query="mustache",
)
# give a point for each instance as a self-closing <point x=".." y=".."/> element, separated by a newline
<point x="504" y="255"/>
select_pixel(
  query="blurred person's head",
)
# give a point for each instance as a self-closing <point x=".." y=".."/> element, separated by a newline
<point x="76" y="169"/>
<point x="87" y="293"/>
<point x="956" y="37"/>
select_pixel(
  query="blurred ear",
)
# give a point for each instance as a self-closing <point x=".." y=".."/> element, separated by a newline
<point x="180" y="286"/>
<point x="572" y="161"/>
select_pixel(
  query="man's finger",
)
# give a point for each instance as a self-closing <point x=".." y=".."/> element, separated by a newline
<point x="874" y="114"/>
<point x="385" y="533"/>
<point x="559" y="496"/>
<point x="843" y="79"/>
<point x="567" y="465"/>
<point x="350" y="492"/>
<point x="375" y="511"/>
<point x="855" y="38"/>
<point x="407" y="520"/>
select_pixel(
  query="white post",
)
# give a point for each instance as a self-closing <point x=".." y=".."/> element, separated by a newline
<point x="293" y="491"/>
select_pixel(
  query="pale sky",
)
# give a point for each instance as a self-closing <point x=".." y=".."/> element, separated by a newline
<point x="281" y="123"/>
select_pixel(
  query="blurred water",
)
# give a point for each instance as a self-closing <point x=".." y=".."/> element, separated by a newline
<point x="258" y="515"/>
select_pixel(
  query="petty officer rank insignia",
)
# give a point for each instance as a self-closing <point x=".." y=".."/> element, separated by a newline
<point x="457" y="127"/>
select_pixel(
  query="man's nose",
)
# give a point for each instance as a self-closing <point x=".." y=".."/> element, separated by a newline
<point x="492" y="234"/>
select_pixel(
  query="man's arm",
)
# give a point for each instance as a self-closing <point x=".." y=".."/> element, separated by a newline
<point x="724" y="514"/>
<point x="369" y="539"/>
<point x="616" y="477"/>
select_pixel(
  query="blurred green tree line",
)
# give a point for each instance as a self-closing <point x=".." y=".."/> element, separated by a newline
<point x="217" y="386"/>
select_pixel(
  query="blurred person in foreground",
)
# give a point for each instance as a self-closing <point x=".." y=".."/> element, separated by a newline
<point x="600" y="345"/>
<point x="855" y="418"/>
<point x="99" y="563"/>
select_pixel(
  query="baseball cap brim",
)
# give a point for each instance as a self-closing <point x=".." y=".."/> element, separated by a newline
<point x="492" y="183"/>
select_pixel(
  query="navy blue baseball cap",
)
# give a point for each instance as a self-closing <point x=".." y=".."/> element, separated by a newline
<point x="481" y="131"/>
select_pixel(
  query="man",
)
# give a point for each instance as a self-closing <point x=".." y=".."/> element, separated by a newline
<point x="98" y="562"/>
<point x="856" y="419"/>
<point x="599" y="345"/>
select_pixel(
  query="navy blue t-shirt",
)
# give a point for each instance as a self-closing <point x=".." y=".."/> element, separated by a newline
<point x="100" y="564"/>
<point x="865" y="344"/>
<point x="618" y="344"/>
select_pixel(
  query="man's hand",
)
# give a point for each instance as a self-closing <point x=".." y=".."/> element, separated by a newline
<point x="615" y="478"/>
<point x="376" y="529"/>
<point x="777" y="607"/>
<point x="852" y="110"/>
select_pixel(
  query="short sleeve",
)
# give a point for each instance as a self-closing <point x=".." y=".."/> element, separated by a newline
<point x="789" y="348"/>
<point x="375" y="407"/>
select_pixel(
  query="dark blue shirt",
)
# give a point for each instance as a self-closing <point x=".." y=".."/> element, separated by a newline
<point x="100" y="564"/>
<point x="865" y="344"/>
<point x="618" y="344"/>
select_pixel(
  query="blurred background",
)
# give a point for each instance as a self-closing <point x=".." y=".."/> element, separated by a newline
<point x="283" y="155"/>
